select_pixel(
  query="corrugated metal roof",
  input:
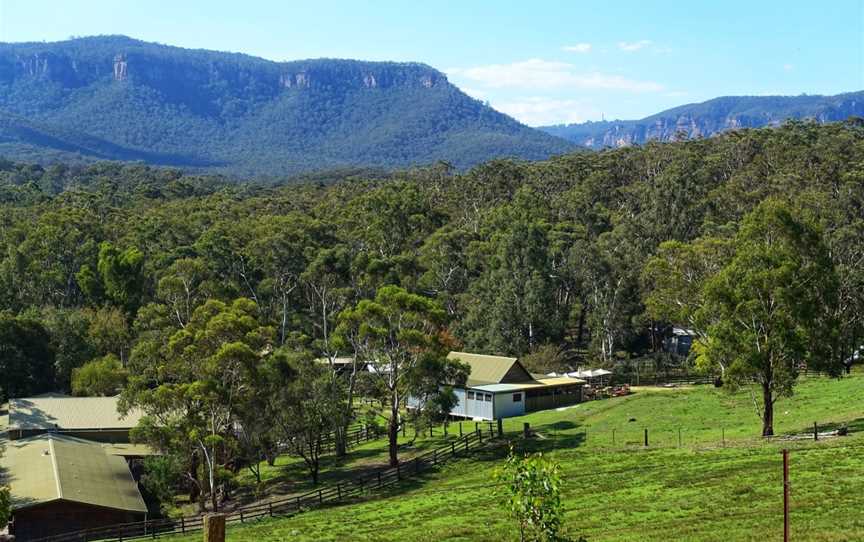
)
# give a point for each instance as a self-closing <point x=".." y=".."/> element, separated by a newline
<point x="49" y="467"/>
<point x="484" y="369"/>
<point x="539" y="383"/>
<point x="69" y="413"/>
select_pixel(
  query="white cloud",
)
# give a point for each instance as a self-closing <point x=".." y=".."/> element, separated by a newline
<point x="633" y="46"/>
<point x="547" y="75"/>
<point x="578" y="48"/>
<point x="788" y="67"/>
<point x="540" y="111"/>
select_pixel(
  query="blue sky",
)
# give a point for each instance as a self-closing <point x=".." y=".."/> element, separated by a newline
<point x="542" y="62"/>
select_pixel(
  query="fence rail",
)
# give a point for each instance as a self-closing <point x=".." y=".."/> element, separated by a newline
<point x="342" y="491"/>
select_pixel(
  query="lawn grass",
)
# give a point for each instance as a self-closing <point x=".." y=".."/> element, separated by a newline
<point x="699" y="491"/>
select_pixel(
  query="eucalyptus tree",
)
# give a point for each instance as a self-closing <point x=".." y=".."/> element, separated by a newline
<point x="771" y="307"/>
<point x="193" y="387"/>
<point x="395" y="333"/>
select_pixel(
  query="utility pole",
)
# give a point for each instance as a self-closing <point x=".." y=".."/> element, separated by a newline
<point x="785" y="495"/>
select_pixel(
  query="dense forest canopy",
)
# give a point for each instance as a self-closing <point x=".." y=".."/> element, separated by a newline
<point x="523" y="257"/>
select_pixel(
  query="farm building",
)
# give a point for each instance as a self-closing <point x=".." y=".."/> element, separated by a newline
<point x="500" y="387"/>
<point x="680" y="341"/>
<point x="60" y="483"/>
<point x="92" y="418"/>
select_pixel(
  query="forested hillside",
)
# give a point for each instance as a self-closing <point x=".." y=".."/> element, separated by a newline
<point x="116" y="98"/>
<point x="96" y="259"/>
<point x="712" y="117"/>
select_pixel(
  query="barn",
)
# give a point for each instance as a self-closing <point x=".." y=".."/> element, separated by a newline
<point x="500" y="387"/>
<point x="60" y="483"/>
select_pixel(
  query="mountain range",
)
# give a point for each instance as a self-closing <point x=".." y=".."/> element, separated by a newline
<point x="709" y="118"/>
<point x="116" y="98"/>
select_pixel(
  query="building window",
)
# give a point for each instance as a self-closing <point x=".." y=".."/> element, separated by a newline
<point x="470" y="395"/>
<point x="488" y="397"/>
<point x="517" y="397"/>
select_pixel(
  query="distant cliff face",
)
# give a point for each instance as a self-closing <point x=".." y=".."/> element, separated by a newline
<point x="712" y="117"/>
<point x="118" y="98"/>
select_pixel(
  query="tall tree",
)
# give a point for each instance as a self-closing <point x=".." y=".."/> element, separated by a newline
<point x="192" y="388"/>
<point x="394" y="333"/>
<point x="771" y="307"/>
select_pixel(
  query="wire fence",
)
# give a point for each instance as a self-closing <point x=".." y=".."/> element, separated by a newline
<point x="323" y="496"/>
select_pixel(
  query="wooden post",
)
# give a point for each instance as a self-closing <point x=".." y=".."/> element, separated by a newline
<point x="679" y="437"/>
<point x="500" y="427"/>
<point x="785" y="495"/>
<point x="815" y="431"/>
<point x="646" y="436"/>
<point x="723" y="436"/>
<point x="460" y="429"/>
<point x="480" y="434"/>
<point x="476" y="426"/>
<point x="526" y="430"/>
<point x="214" y="528"/>
<point x="403" y="429"/>
<point x="452" y="448"/>
<point x="182" y="525"/>
<point x="270" y="508"/>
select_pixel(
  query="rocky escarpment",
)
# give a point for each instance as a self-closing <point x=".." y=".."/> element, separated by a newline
<point x="712" y="117"/>
<point x="118" y="98"/>
<point x="125" y="59"/>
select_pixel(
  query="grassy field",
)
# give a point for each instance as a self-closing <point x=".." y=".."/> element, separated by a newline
<point x="705" y="489"/>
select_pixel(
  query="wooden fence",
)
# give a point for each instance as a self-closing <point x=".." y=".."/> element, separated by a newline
<point x="323" y="496"/>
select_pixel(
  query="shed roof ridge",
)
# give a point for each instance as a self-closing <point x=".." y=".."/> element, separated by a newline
<point x="55" y="467"/>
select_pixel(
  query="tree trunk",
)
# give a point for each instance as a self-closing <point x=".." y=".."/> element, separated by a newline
<point x="393" y="434"/>
<point x="768" y="410"/>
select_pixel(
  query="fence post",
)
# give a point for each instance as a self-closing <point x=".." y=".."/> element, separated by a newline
<point x="182" y="525"/>
<point x="490" y="429"/>
<point x="430" y="430"/>
<point x="460" y="429"/>
<point x="445" y="429"/>
<point x="297" y="504"/>
<point x="321" y="496"/>
<point x="500" y="427"/>
<point x="723" y="436"/>
<point x="815" y="431"/>
<point x="526" y="430"/>
<point x="434" y="457"/>
<point x="646" y="436"/>
<point x="476" y="426"/>
<point x="480" y="434"/>
<point x="270" y="508"/>
<point x="403" y="429"/>
<point x="214" y="528"/>
<point x="679" y="437"/>
<point x="785" y="495"/>
<point x="241" y="516"/>
<point x="452" y="448"/>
